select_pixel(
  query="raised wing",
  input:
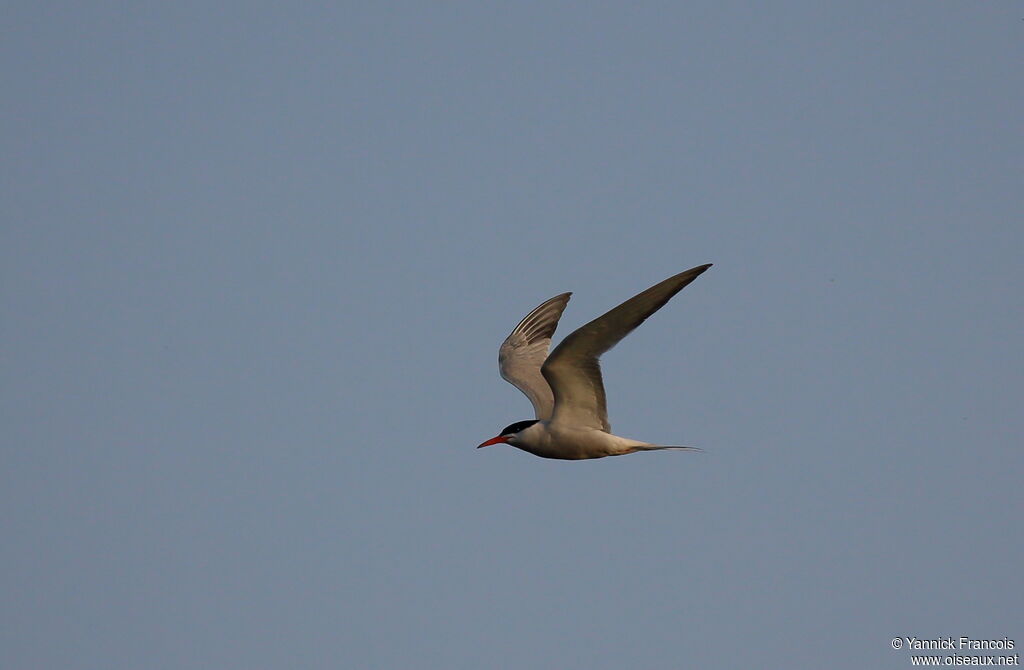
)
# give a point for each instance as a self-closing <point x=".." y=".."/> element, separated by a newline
<point x="573" y="371"/>
<point x="524" y="350"/>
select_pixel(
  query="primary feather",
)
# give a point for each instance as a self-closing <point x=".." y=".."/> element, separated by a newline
<point x="524" y="350"/>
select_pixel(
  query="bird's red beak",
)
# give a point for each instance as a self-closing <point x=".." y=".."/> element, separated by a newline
<point x="501" y="439"/>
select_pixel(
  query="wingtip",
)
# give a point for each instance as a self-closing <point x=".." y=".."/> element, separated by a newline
<point x="692" y="273"/>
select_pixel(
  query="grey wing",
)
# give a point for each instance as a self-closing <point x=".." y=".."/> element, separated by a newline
<point x="524" y="350"/>
<point x="573" y="369"/>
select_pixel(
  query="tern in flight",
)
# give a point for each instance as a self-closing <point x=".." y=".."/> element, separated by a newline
<point x="566" y="388"/>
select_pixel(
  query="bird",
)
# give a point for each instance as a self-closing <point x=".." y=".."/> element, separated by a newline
<point x="565" y="387"/>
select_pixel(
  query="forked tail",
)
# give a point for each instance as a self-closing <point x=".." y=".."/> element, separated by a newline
<point x="658" y="447"/>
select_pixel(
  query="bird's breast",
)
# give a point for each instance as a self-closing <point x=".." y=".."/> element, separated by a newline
<point x="549" y="440"/>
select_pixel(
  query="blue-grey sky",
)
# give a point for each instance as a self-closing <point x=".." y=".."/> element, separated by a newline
<point x="257" y="259"/>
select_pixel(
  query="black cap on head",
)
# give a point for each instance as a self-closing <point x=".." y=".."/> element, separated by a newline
<point x="517" y="426"/>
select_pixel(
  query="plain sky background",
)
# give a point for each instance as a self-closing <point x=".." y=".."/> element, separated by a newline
<point x="257" y="259"/>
